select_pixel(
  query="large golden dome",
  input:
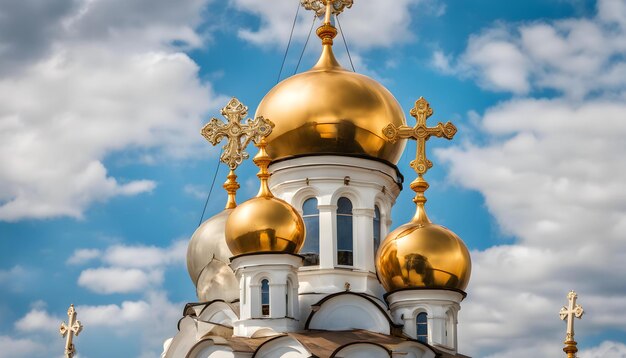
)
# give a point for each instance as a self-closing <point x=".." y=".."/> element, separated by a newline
<point x="264" y="223"/>
<point x="329" y="110"/>
<point x="421" y="254"/>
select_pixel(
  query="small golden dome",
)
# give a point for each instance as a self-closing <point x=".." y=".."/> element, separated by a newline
<point x="264" y="223"/>
<point x="208" y="243"/>
<point x="329" y="110"/>
<point x="423" y="254"/>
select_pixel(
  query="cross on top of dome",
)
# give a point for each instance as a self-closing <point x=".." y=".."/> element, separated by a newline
<point x="238" y="135"/>
<point x="325" y="7"/>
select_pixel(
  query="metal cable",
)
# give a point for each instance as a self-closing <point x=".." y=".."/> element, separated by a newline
<point x="217" y="169"/>
<point x="345" y="43"/>
<point x="293" y="26"/>
<point x="305" y="44"/>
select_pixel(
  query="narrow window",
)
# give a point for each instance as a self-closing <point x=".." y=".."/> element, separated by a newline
<point x="422" y="327"/>
<point x="311" y="248"/>
<point x="265" y="298"/>
<point x="376" y="229"/>
<point x="287" y="300"/>
<point x="344" y="232"/>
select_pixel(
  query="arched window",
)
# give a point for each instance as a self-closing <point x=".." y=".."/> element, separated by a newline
<point x="344" y="232"/>
<point x="311" y="248"/>
<point x="376" y="229"/>
<point x="422" y="327"/>
<point x="265" y="297"/>
<point x="449" y="329"/>
<point x="288" y="308"/>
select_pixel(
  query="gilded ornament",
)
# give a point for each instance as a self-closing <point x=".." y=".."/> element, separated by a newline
<point x="69" y="330"/>
<point x="328" y="110"/>
<point x="319" y="6"/>
<point x="238" y="134"/>
<point x="568" y="313"/>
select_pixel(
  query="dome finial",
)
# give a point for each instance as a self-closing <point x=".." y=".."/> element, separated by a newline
<point x="421" y="134"/>
<point x="421" y="254"/>
<point x="237" y="135"/>
<point x="327" y="8"/>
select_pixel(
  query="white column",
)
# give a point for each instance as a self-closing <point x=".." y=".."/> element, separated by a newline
<point x="364" y="239"/>
<point x="328" y="236"/>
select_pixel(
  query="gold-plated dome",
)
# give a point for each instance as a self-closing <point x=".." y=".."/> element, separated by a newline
<point x="264" y="223"/>
<point x="329" y="110"/>
<point x="423" y="254"/>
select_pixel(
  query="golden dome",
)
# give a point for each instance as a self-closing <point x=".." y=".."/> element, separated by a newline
<point x="207" y="243"/>
<point x="421" y="254"/>
<point x="264" y="223"/>
<point x="329" y="110"/>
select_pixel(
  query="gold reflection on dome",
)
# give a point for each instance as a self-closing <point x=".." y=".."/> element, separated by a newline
<point x="264" y="223"/>
<point x="329" y="110"/>
<point x="421" y="254"/>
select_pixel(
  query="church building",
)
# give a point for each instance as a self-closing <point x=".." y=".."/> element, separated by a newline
<point x="309" y="267"/>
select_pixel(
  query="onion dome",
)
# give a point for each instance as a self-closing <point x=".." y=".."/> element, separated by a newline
<point x="208" y="254"/>
<point x="421" y="254"/>
<point x="329" y="110"/>
<point x="264" y="223"/>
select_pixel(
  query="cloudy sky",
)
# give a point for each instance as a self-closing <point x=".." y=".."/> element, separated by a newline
<point x="103" y="174"/>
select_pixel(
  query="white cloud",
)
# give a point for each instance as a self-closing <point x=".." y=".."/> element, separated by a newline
<point x="38" y="320"/>
<point x="12" y="273"/>
<point x="551" y="172"/>
<point x="576" y="57"/>
<point x="606" y="349"/>
<point x="82" y="256"/>
<point x="110" y="81"/>
<point x="149" y="320"/>
<point x="552" y="177"/>
<point x="146" y="256"/>
<point x="20" y="347"/>
<point x="392" y="21"/>
<point x="107" y="280"/>
<point x="128" y="268"/>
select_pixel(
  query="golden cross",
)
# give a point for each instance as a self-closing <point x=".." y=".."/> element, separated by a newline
<point x="73" y="328"/>
<point x="420" y="133"/>
<point x="326" y="7"/>
<point x="237" y="134"/>
<point x="569" y="312"/>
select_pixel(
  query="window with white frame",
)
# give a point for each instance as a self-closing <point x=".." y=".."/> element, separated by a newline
<point x="311" y="248"/>
<point x="422" y="327"/>
<point x="265" y="297"/>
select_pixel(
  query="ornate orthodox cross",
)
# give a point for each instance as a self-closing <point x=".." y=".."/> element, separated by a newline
<point x="238" y="135"/>
<point x="420" y="133"/>
<point x="568" y="313"/>
<point x="320" y="6"/>
<point x="73" y="328"/>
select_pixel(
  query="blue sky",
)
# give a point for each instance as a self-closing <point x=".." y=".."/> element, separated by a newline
<point x="103" y="174"/>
